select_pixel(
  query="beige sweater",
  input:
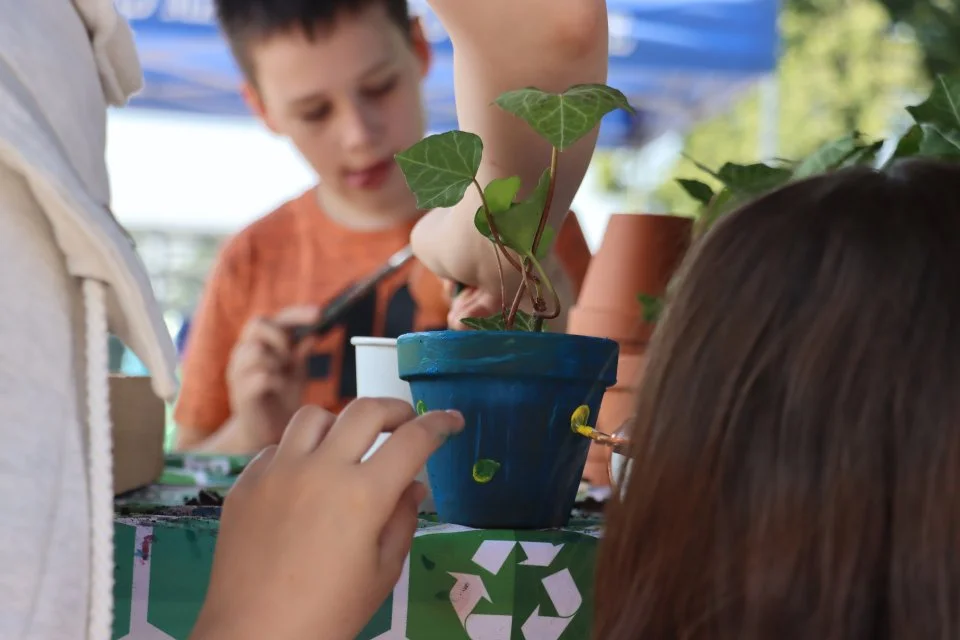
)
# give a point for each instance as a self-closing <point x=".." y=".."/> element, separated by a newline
<point x="66" y="270"/>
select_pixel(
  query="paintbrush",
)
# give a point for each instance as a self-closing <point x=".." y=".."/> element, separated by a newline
<point x="338" y="307"/>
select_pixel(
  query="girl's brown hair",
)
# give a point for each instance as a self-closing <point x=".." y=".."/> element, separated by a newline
<point x="796" y="448"/>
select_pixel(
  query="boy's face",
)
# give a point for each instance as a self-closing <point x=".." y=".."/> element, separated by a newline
<point x="348" y="100"/>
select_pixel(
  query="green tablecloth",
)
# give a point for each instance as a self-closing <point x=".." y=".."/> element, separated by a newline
<point x="458" y="583"/>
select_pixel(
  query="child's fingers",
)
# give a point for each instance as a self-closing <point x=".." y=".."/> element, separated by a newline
<point x="254" y="356"/>
<point x="255" y="468"/>
<point x="294" y="316"/>
<point x="397" y="534"/>
<point x="262" y="331"/>
<point x="362" y="421"/>
<point x="473" y="304"/>
<point x="306" y="431"/>
<point x="398" y="460"/>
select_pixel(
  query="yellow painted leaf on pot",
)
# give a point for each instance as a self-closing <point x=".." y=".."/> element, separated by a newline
<point x="579" y="419"/>
<point x="484" y="470"/>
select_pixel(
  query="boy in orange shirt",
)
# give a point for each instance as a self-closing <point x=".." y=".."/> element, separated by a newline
<point x="342" y="80"/>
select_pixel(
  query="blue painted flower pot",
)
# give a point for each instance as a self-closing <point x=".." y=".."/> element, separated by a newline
<point x="518" y="462"/>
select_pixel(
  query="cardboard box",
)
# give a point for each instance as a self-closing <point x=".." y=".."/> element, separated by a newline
<point x="139" y="422"/>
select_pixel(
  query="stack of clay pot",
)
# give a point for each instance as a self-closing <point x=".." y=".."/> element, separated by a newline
<point x="639" y="254"/>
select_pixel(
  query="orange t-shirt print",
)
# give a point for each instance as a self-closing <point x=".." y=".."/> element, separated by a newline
<point x="298" y="256"/>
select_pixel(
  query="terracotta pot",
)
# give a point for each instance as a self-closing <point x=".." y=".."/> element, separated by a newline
<point x="615" y="409"/>
<point x="628" y="329"/>
<point x="639" y="254"/>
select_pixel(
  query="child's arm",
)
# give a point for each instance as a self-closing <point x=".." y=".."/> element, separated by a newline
<point x="501" y="45"/>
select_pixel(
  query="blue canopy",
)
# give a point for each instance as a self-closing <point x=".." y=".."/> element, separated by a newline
<point x="676" y="60"/>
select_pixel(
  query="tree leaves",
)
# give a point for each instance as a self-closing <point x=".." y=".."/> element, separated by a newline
<point x="439" y="168"/>
<point x="564" y="118"/>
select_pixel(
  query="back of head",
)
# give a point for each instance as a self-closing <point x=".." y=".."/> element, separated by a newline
<point x="797" y="441"/>
<point x="248" y="21"/>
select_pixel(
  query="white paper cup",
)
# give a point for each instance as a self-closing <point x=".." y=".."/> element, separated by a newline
<point x="378" y="377"/>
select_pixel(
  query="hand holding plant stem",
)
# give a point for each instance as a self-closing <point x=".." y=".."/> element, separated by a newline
<point x="440" y="168"/>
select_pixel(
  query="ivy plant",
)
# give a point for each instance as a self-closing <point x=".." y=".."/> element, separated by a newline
<point x="441" y="168"/>
<point x="935" y="133"/>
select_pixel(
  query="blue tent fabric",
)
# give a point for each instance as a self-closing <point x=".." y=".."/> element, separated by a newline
<point x="676" y="60"/>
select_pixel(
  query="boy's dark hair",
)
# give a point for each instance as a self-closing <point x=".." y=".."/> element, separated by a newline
<point x="246" y="21"/>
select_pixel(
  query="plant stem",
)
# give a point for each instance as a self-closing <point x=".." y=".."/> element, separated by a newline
<point x="515" y="306"/>
<point x="497" y="240"/>
<point x="548" y="201"/>
<point x="553" y="293"/>
<point x="503" y="290"/>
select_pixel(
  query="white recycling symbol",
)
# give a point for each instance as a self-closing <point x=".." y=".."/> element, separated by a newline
<point x="140" y="627"/>
<point x="560" y="587"/>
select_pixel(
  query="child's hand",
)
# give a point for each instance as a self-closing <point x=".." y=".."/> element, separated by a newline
<point x="470" y="303"/>
<point x="312" y="540"/>
<point x="266" y="377"/>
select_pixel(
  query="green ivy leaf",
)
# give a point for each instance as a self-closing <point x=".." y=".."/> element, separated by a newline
<point x="652" y="307"/>
<point x="501" y="193"/>
<point x="828" y="156"/>
<point x="722" y="203"/>
<point x="909" y="143"/>
<point x="934" y="143"/>
<point x="783" y="163"/>
<point x="523" y="321"/>
<point x="751" y="180"/>
<point x="490" y="323"/>
<point x="941" y="109"/>
<point x="699" y="165"/>
<point x="484" y="470"/>
<point x="439" y="168"/>
<point x="699" y="191"/>
<point x="518" y="223"/>
<point x="864" y="156"/>
<point x="564" y="118"/>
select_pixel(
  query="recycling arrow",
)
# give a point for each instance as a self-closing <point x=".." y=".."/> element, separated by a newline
<point x="539" y="627"/>
<point x="491" y="555"/>
<point x="140" y="627"/>
<point x="465" y="596"/>
<point x="566" y="599"/>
